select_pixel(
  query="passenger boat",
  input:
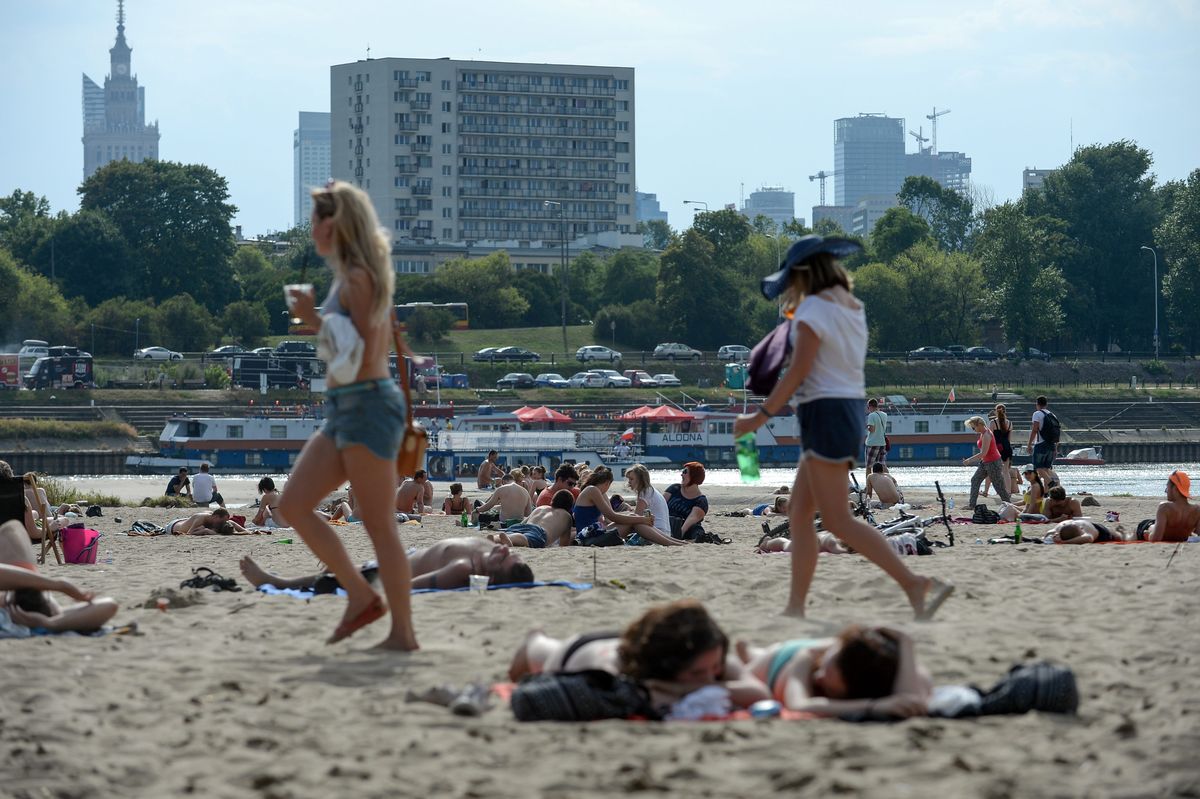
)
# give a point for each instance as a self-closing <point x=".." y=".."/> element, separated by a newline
<point x="252" y="445"/>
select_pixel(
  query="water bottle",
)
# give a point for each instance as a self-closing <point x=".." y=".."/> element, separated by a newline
<point x="282" y="541"/>
<point x="464" y="521"/>
<point x="108" y="558"/>
<point x="950" y="503"/>
<point x="1017" y="533"/>
<point x="747" y="457"/>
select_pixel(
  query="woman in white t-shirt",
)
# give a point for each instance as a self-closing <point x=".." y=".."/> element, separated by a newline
<point x="649" y="498"/>
<point x="825" y="377"/>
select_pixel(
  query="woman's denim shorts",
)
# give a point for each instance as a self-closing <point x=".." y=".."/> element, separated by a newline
<point x="833" y="429"/>
<point x="370" y="413"/>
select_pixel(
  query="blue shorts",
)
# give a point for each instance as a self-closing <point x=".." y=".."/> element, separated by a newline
<point x="534" y="536"/>
<point x="370" y="413"/>
<point x="1043" y="455"/>
<point x="760" y="509"/>
<point x="833" y="429"/>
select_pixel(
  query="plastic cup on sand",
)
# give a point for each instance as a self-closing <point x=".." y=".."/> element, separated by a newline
<point x="162" y="603"/>
<point x="478" y="583"/>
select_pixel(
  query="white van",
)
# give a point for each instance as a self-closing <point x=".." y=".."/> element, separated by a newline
<point x="31" y="350"/>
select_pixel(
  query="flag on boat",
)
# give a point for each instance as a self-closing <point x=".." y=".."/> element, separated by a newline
<point x="951" y="394"/>
<point x="627" y="435"/>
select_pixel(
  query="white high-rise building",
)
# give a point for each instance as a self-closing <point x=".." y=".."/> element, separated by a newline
<point x="310" y="161"/>
<point x="774" y="202"/>
<point x="478" y="151"/>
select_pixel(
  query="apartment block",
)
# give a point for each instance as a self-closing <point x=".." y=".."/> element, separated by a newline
<point x="479" y="152"/>
<point x="310" y="161"/>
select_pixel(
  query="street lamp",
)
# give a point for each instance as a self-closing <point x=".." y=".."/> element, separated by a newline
<point x="1155" y="254"/>
<point x="697" y="202"/>
<point x="562" y="271"/>
<point x="776" y="237"/>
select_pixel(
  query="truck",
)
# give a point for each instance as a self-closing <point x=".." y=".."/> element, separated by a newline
<point x="64" y="371"/>
<point x="287" y="372"/>
<point x="10" y="370"/>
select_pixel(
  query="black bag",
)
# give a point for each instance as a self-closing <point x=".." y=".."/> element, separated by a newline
<point x="984" y="515"/>
<point x="767" y="360"/>
<point x="580" y="696"/>
<point x="94" y="510"/>
<point x="1034" y="686"/>
<point x="1051" y="428"/>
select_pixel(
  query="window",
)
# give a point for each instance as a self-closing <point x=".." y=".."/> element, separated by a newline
<point x="621" y="147"/>
<point x="621" y="85"/>
<point x="622" y="105"/>
<point x="447" y="233"/>
<point x="446" y="170"/>
<point x="254" y="459"/>
<point x="425" y="76"/>
<point x="447" y="191"/>
<point x="906" y="453"/>
<point x="447" y="213"/>
<point x="921" y="427"/>
<point x="622" y="167"/>
<point x="233" y="431"/>
<point x="446" y="127"/>
<point x="941" y="453"/>
<point x="956" y="426"/>
<point x="279" y="431"/>
<point x="446" y="106"/>
<point x="447" y="149"/>
<point x="445" y="85"/>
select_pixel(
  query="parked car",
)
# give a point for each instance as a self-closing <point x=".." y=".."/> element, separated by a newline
<point x="981" y="354"/>
<point x="956" y="350"/>
<point x="594" y="352"/>
<point x="586" y="380"/>
<point x="32" y="349"/>
<point x="228" y="351"/>
<point x="516" y="380"/>
<point x="263" y="351"/>
<point x="613" y="379"/>
<point x="296" y="349"/>
<point x="640" y="378"/>
<point x="733" y="352"/>
<point x="157" y="354"/>
<point x="667" y="380"/>
<point x="928" y="354"/>
<point x="551" y="380"/>
<point x="1031" y="353"/>
<point x="515" y="354"/>
<point x="676" y="352"/>
<point x="485" y="355"/>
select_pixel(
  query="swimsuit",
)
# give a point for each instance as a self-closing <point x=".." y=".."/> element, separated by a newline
<point x="1103" y="535"/>
<point x="581" y="642"/>
<point x="784" y="655"/>
<point x="758" y="509"/>
<point x="171" y="525"/>
<point x="585" y="516"/>
<point x="535" y="536"/>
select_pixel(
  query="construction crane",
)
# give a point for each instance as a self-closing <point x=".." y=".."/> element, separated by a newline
<point x="933" y="118"/>
<point x="920" y="137"/>
<point x="821" y="177"/>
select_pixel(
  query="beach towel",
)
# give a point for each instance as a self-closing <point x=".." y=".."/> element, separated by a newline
<point x="297" y="593"/>
<point x="10" y="629"/>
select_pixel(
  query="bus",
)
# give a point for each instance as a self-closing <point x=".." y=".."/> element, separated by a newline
<point x="457" y="311"/>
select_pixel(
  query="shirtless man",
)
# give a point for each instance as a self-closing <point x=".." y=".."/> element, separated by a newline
<point x="415" y="494"/>
<point x="883" y="485"/>
<point x="513" y="500"/>
<point x="547" y="526"/>
<point x="1060" y="508"/>
<point x="447" y="564"/>
<point x="1176" y="518"/>
<point x="565" y="477"/>
<point x="203" y="523"/>
<point x="488" y="471"/>
<point x="1083" y="531"/>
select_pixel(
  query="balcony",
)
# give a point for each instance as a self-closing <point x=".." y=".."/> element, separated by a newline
<point x="526" y="130"/>
<point x="358" y="150"/>
<point x="405" y="210"/>
<point x="537" y="152"/>
<point x="539" y="194"/>
<point x="508" y="213"/>
<point x="419" y="105"/>
<point x="407" y="127"/>
<point x="407" y="83"/>
<point x="523" y="172"/>
<point x="521" y="87"/>
<point x="422" y="189"/>
<point x="407" y="169"/>
<point x="420" y="147"/>
<point x="542" y="111"/>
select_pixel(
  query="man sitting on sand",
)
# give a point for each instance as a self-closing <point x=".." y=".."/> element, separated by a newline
<point x="415" y="494"/>
<point x="514" y="501"/>
<point x="1083" y="531"/>
<point x="565" y="477"/>
<point x="447" y="564"/>
<point x="24" y="592"/>
<point x="1060" y="508"/>
<point x="179" y="485"/>
<point x="547" y="526"/>
<point x="204" y="523"/>
<point x="883" y="485"/>
<point x="1176" y="518"/>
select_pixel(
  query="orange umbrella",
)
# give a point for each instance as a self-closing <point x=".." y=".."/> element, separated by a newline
<point x="542" y="414"/>
<point x="636" y="413"/>
<point x="666" y="413"/>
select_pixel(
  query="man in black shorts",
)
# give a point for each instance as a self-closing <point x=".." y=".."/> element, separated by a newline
<point x="1043" y="451"/>
<point x="1082" y="531"/>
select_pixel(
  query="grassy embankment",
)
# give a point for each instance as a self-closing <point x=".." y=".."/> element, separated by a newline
<point x="25" y="429"/>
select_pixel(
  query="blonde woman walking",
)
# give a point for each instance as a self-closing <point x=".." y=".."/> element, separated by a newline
<point x="990" y="462"/>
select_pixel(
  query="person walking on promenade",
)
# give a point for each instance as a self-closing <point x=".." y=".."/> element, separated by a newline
<point x="989" y="460"/>
<point x="876" y="435"/>
<point x="365" y="418"/>
<point x="826" y="378"/>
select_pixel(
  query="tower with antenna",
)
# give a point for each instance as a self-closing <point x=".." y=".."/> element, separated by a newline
<point x="934" y="118"/>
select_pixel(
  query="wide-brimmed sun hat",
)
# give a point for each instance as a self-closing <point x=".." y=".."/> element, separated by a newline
<point x="798" y="255"/>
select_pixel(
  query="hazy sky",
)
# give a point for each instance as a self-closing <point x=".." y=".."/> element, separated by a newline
<point x="728" y="94"/>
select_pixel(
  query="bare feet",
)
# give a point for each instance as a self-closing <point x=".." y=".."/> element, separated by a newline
<point x="399" y="641"/>
<point x="794" y="612"/>
<point x="927" y="595"/>
<point x="254" y="573"/>
<point x="500" y="538"/>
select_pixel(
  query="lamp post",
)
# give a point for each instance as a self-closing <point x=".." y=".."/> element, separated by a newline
<point x="776" y="237"/>
<point x="562" y="270"/>
<point x="1155" y="254"/>
<point x="697" y="202"/>
<point x="137" y="332"/>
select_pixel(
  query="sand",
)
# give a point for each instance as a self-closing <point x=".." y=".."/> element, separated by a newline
<point x="235" y="694"/>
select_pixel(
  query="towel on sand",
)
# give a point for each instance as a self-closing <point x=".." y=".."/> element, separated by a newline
<point x="296" y="593"/>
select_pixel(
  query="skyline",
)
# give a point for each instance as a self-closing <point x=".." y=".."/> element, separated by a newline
<point x="1017" y="77"/>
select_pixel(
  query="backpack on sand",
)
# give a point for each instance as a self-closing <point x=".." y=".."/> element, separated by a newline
<point x="984" y="515"/>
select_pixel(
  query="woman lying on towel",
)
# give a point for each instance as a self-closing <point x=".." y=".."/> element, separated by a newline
<point x="863" y="670"/>
<point x="24" y="593"/>
<point x="672" y="649"/>
<point x="829" y="544"/>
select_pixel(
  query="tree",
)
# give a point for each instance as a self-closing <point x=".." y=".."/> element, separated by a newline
<point x="637" y="324"/>
<point x="31" y="306"/>
<point x="896" y="231"/>
<point x="176" y="220"/>
<point x="948" y="213"/>
<point x="185" y="325"/>
<point x="249" y="261"/>
<point x="1178" y="240"/>
<point x="21" y="210"/>
<point x="246" y="323"/>
<point x="629" y="276"/>
<point x="725" y="229"/>
<point x="542" y="293"/>
<point x="429" y="324"/>
<point x="80" y="248"/>
<point x="487" y="284"/>
<point x="658" y="234"/>
<point x="828" y="227"/>
<point x="121" y="326"/>
<point x="693" y="293"/>
<point x="883" y="292"/>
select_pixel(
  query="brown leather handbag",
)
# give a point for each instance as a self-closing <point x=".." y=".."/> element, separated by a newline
<point x="412" y="447"/>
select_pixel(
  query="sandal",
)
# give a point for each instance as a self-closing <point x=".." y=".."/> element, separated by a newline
<point x="372" y="613"/>
<point x="211" y="580"/>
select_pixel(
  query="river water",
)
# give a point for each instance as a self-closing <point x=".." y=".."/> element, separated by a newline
<point x="1144" y="479"/>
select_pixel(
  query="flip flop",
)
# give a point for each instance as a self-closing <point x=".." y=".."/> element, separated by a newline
<point x="372" y="613"/>
<point x="938" y="593"/>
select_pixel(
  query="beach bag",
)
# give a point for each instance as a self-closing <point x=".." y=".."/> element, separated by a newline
<point x="1051" y="429"/>
<point x="1034" y="686"/>
<point x="767" y="360"/>
<point x="590" y="695"/>
<point x="411" y="456"/>
<point x="79" y="544"/>
<point x="984" y="515"/>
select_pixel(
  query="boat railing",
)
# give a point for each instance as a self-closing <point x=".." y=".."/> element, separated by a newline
<point x="483" y="440"/>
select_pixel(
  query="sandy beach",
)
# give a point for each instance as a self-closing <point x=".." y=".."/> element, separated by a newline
<point x="235" y="694"/>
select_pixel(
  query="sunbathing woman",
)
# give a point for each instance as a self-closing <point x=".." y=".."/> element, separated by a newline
<point x="863" y="669"/>
<point x="672" y="649"/>
<point x="215" y="523"/>
<point x="23" y="591"/>
<point x="592" y="506"/>
<point x="829" y="544"/>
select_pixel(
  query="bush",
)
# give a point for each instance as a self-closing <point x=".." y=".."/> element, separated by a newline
<point x="429" y="324"/>
<point x="215" y="376"/>
<point x="58" y="493"/>
<point x="1157" y="368"/>
<point x="636" y="324"/>
<point x="167" y="502"/>
<point x="20" y="429"/>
